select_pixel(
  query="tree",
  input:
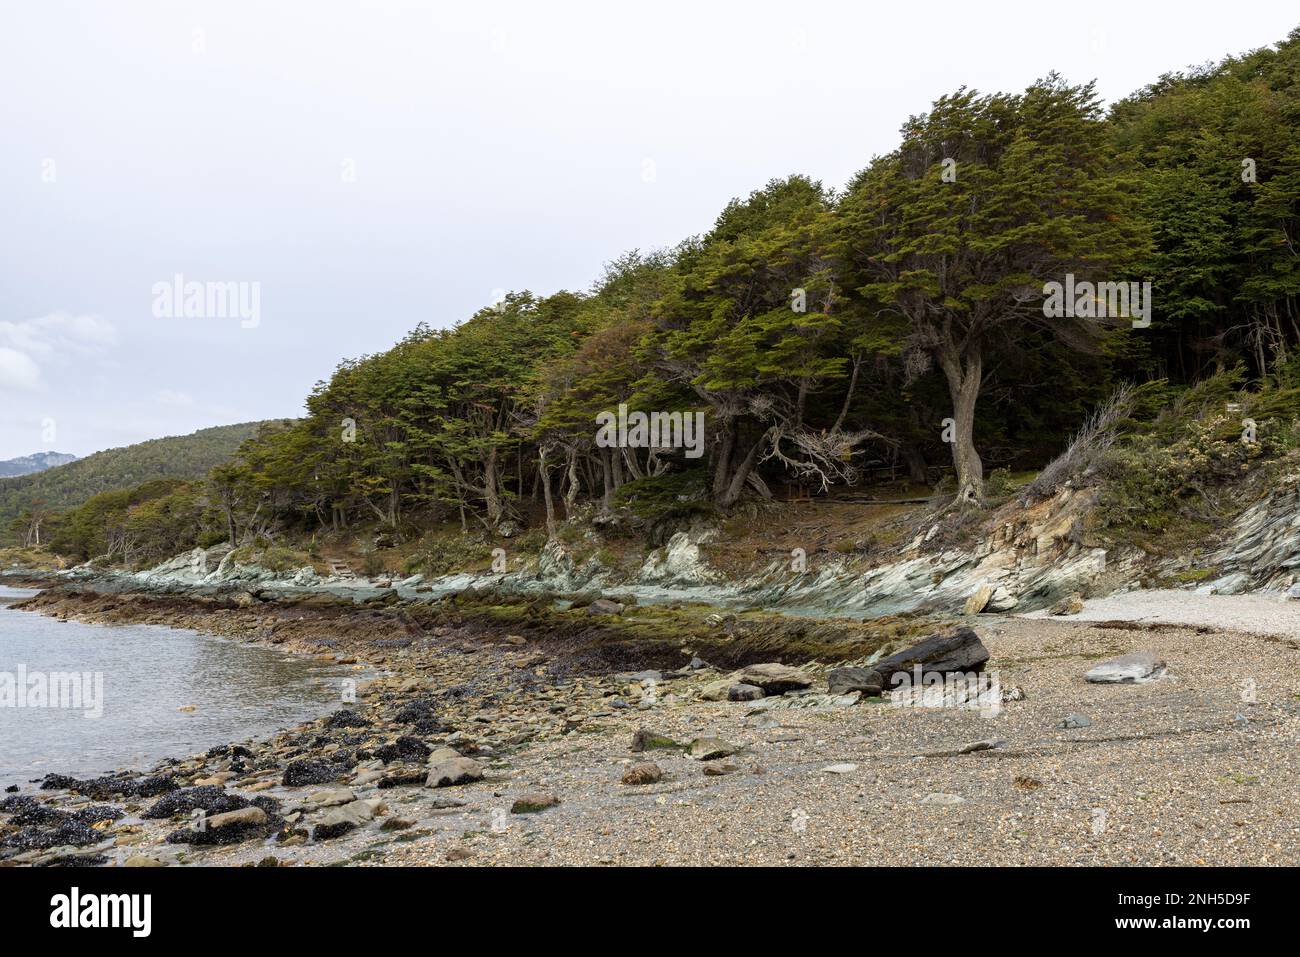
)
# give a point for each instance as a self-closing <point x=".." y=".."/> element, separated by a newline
<point x="987" y="199"/>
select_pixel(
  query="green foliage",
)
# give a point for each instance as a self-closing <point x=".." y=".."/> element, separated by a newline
<point x="178" y="457"/>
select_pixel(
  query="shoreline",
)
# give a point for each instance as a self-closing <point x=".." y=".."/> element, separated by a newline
<point x="545" y="712"/>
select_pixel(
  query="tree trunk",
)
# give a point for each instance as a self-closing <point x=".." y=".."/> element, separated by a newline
<point x="964" y="381"/>
<point x="732" y="489"/>
<point x="544" y="471"/>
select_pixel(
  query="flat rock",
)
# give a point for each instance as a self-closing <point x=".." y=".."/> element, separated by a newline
<point x="1139" y="666"/>
<point x="774" y="678"/>
<point x="454" y="771"/>
<point x="845" y="768"/>
<point x="943" y="800"/>
<point x="710" y="749"/>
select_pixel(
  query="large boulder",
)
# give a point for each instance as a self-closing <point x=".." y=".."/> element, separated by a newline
<point x="774" y="678"/>
<point x="958" y="650"/>
<point x="1128" y="669"/>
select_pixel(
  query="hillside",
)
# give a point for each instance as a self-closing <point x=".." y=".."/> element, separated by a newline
<point x="181" y="456"/>
<point x="37" y="462"/>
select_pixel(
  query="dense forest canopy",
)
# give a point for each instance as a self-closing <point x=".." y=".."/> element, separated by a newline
<point x="897" y="322"/>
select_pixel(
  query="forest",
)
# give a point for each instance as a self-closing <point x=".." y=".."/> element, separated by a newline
<point x="829" y="336"/>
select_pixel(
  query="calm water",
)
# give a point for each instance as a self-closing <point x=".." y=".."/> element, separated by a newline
<point x="148" y="673"/>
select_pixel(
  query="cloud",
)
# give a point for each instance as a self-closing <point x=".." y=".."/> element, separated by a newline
<point x="18" y="373"/>
<point x="25" y="346"/>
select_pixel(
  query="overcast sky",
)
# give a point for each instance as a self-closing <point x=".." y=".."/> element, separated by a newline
<point x="375" y="165"/>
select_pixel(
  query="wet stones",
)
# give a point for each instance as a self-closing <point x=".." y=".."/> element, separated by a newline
<point x="306" y="771"/>
<point x="405" y="748"/>
<point x="344" y="718"/>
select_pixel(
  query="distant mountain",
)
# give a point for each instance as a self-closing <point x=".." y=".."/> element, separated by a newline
<point x="36" y="462"/>
<point x="62" y="486"/>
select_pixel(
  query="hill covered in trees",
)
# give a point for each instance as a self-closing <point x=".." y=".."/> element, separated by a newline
<point x="36" y="462"/>
<point x="26" y="501"/>
<point x="901" y="323"/>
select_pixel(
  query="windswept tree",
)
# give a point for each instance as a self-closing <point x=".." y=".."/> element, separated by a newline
<point x="752" y="326"/>
<point x="957" y="231"/>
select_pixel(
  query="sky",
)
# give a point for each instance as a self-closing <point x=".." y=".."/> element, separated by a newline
<point x="326" y="175"/>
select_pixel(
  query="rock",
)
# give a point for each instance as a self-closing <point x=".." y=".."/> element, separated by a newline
<point x="454" y="771"/>
<point x="310" y="771"/>
<point x="645" y="773"/>
<point x="348" y="817"/>
<point x="333" y="798"/>
<point x="516" y="640"/>
<point x="987" y="744"/>
<point x="710" y="749"/>
<point x="1141" y="666"/>
<point x="645" y="740"/>
<point x="244" y="817"/>
<point x="943" y="800"/>
<point x="459" y="854"/>
<point x="405" y="748"/>
<point x="716" y="690"/>
<point x="845" y="768"/>
<point x="604" y="606"/>
<point x="1069" y="605"/>
<point x="1001" y="600"/>
<point x="396" y="824"/>
<point x="845" y="680"/>
<point x="1076" y="720"/>
<point x="978" y="600"/>
<point x="142" y="860"/>
<point x="774" y="678"/>
<point x="744" y="692"/>
<point x="533" y="802"/>
<point x="958" y="650"/>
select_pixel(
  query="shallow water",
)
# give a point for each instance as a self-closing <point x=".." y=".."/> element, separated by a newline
<point x="147" y="673"/>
